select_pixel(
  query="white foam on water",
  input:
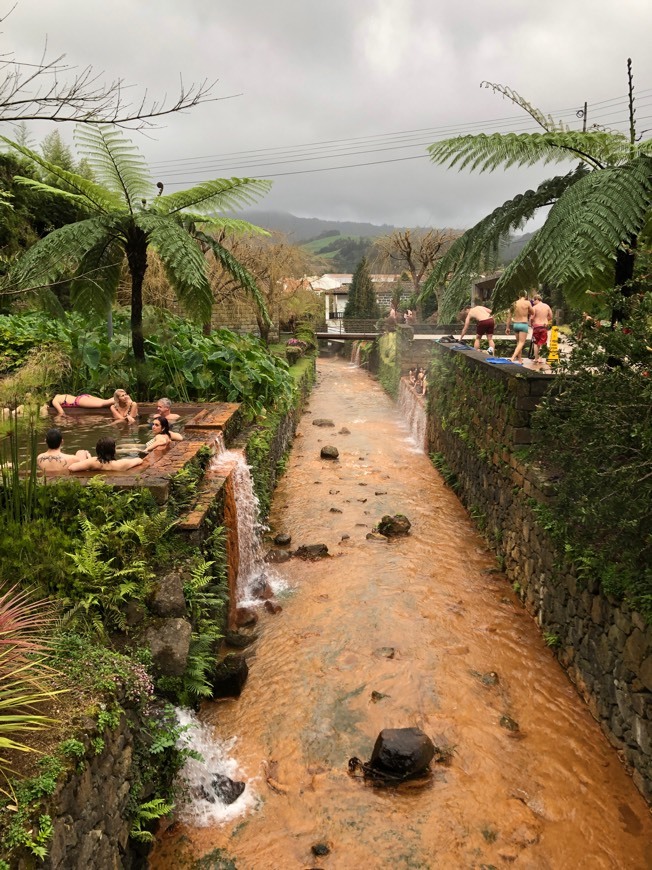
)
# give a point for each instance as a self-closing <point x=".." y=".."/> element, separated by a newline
<point x="203" y="806"/>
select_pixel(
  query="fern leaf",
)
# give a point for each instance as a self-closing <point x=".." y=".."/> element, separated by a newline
<point x="57" y="255"/>
<point x="485" y="153"/>
<point x="221" y="194"/>
<point x="98" y="198"/>
<point x="98" y="276"/>
<point x="183" y="262"/>
<point x="233" y="267"/>
<point x="116" y="162"/>
<point x="477" y="249"/>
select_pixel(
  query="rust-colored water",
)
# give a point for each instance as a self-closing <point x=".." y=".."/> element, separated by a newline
<point x="418" y="620"/>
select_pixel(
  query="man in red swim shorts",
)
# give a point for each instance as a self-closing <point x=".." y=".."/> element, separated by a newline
<point x="484" y="326"/>
<point x="540" y="321"/>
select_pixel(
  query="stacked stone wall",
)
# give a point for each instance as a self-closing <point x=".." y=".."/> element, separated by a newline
<point x="605" y="647"/>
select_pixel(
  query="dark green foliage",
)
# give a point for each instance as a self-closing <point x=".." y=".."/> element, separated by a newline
<point x="362" y="297"/>
<point x="596" y="425"/>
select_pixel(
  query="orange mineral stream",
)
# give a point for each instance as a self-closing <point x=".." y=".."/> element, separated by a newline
<point x="418" y="620"/>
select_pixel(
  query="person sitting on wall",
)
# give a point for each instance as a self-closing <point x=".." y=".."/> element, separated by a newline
<point x="54" y="459"/>
<point x="105" y="460"/>
<point x="124" y="409"/>
<point x="84" y="400"/>
<point x="164" y="409"/>
<point x="162" y="435"/>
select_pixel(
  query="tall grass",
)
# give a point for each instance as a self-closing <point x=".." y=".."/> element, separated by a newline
<point x="18" y="486"/>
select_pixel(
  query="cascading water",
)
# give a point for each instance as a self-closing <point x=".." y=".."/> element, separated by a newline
<point x="218" y="790"/>
<point x="413" y="412"/>
<point x="251" y="565"/>
<point x="355" y="354"/>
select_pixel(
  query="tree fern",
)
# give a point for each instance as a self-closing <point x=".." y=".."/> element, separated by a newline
<point x="588" y="239"/>
<point x="125" y="224"/>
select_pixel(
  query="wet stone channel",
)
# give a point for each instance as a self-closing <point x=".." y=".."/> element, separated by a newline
<point x="416" y="631"/>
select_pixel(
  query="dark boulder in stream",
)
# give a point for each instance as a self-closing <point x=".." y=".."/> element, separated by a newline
<point x="329" y="452"/>
<point x="229" y="676"/>
<point x="227" y="790"/>
<point x="393" y="526"/>
<point x="283" y="539"/>
<point x="398" y="754"/>
<point x="312" y="551"/>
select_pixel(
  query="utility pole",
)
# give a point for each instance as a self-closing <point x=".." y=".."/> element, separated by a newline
<point x="583" y="114"/>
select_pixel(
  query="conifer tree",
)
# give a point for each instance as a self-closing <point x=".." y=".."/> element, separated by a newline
<point x="362" y="297"/>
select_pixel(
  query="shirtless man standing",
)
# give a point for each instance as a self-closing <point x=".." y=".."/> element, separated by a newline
<point x="519" y="318"/>
<point x="484" y="326"/>
<point x="54" y="459"/>
<point x="541" y="320"/>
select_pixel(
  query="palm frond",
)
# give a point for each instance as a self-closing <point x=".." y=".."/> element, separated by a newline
<point x="116" y="162"/>
<point x="57" y="255"/>
<point x="97" y="197"/>
<point x="476" y="251"/>
<point x="237" y="271"/>
<point x="231" y="226"/>
<point x="219" y="195"/>
<point x="98" y="276"/>
<point x="593" y="219"/>
<point x="183" y="262"/>
<point x="41" y="187"/>
<point x="576" y="248"/>
<point x="485" y="153"/>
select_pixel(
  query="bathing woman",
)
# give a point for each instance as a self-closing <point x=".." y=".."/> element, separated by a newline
<point x="161" y="435"/>
<point x="123" y="408"/>
<point x="105" y="459"/>
<point x="84" y="400"/>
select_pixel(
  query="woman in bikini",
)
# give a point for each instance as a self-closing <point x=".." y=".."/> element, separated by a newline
<point x="162" y="435"/>
<point x="84" y="400"/>
<point x="123" y="408"/>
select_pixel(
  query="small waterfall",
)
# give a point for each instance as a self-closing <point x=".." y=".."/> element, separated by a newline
<point x="211" y="796"/>
<point x="251" y="567"/>
<point x="413" y="412"/>
<point x="355" y="354"/>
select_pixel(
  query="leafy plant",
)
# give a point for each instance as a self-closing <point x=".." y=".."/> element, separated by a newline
<point x="146" y="813"/>
<point x="23" y="626"/>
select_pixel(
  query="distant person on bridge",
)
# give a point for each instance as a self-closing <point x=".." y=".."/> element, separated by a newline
<point x="484" y="326"/>
<point x="541" y="320"/>
<point x="518" y="319"/>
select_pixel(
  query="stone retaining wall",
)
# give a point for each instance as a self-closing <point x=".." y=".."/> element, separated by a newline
<point x="478" y="415"/>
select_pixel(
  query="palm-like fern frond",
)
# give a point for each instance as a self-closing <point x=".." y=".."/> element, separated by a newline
<point x="237" y="271"/>
<point x="117" y="163"/>
<point x="485" y="153"/>
<point x="546" y="121"/>
<point x="231" y="226"/>
<point x="576" y="248"/>
<point x="96" y="196"/>
<point x="477" y="249"/>
<point x="182" y="261"/>
<point x="98" y="276"/>
<point x="220" y="195"/>
<point x="57" y="255"/>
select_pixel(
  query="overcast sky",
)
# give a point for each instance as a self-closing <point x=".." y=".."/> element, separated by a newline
<point x="330" y="84"/>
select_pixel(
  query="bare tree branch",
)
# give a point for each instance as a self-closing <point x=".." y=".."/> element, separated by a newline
<point x="52" y="90"/>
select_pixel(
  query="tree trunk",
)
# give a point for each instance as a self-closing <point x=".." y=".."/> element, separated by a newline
<point x="625" y="260"/>
<point x="137" y="260"/>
